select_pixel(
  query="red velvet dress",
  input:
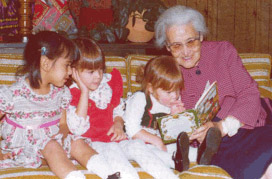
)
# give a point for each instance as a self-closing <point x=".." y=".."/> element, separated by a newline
<point x="101" y="120"/>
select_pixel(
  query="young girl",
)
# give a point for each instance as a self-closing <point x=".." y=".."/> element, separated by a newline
<point x="34" y="126"/>
<point x="161" y="84"/>
<point x="96" y="113"/>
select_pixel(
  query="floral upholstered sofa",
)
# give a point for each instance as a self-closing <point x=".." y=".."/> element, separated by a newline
<point x="258" y="65"/>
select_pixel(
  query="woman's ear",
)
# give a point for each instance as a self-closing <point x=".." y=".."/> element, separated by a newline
<point x="167" y="48"/>
<point x="201" y="37"/>
<point x="45" y="63"/>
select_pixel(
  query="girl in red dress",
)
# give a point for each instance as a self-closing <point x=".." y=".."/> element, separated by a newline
<point x="96" y="113"/>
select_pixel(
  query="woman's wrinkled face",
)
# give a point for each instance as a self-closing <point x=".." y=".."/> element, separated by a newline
<point x="184" y="43"/>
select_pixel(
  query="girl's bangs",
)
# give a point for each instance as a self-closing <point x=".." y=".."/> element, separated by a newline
<point x="92" y="63"/>
<point x="172" y="85"/>
<point x="170" y="81"/>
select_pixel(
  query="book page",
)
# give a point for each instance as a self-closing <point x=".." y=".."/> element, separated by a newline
<point x="208" y="104"/>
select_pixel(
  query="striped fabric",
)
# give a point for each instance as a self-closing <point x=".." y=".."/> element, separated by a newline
<point x="205" y="172"/>
<point x="8" y="67"/>
<point x="120" y="64"/>
<point x="134" y="62"/>
<point x="259" y="67"/>
<point x="44" y="172"/>
<point x="195" y="172"/>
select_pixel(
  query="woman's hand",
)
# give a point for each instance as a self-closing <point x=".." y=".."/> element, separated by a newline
<point x="117" y="130"/>
<point x="177" y="107"/>
<point x="76" y="78"/>
<point x="201" y="132"/>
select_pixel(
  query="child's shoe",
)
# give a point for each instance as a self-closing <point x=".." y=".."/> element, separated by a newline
<point x="181" y="156"/>
<point x="209" y="146"/>
<point x="114" y="176"/>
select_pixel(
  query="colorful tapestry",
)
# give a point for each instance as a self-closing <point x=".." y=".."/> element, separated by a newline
<point x="53" y="15"/>
<point x="8" y="17"/>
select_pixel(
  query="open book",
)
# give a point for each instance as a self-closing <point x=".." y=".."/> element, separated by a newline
<point x="188" y="121"/>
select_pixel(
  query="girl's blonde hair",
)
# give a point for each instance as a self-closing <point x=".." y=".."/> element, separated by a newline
<point x="161" y="72"/>
<point x="91" y="56"/>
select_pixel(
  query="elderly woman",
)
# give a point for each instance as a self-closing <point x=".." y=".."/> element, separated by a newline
<point x="246" y="147"/>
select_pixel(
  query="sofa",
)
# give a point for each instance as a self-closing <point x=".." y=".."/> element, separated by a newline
<point x="258" y="66"/>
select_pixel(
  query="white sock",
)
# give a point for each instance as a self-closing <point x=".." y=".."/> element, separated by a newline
<point x="98" y="164"/>
<point x="193" y="154"/>
<point x="75" y="175"/>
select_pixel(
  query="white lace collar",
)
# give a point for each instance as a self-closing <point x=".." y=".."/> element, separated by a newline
<point x="102" y="95"/>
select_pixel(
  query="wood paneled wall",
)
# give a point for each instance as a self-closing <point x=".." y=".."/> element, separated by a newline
<point x="245" y="23"/>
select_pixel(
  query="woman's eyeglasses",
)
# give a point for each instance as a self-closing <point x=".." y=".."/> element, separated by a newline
<point x="178" y="46"/>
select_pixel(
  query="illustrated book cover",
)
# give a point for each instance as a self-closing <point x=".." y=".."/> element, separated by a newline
<point x="189" y="120"/>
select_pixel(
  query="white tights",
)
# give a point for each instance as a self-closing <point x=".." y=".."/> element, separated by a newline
<point x="116" y="158"/>
<point x="75" y="175"/>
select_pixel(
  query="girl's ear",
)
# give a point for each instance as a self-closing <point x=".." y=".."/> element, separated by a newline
<point x="150" y="88"/>
<point x="45" y="63"/>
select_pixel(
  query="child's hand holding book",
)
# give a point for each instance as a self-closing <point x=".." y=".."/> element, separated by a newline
<point x="177" y="107"/>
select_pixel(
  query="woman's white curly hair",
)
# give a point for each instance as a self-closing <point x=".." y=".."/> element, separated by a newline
<point x="178" y="15"/>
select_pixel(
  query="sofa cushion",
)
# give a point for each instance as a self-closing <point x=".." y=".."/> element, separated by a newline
<point x="8" y="67"/>
<point x="134" y="62"/>
<point x="205" y="172"/>
<point x="258" y="66"/>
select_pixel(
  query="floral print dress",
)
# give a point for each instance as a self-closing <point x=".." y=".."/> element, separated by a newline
<point x="30" y="122"/>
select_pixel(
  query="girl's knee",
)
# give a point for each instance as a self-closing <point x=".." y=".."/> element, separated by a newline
<point x="51" y="146"/>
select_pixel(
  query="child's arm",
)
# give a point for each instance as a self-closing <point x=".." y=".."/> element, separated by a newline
<point x="63" y="128"/>
<point x="150" y="138"/>
<point x="77" y="117"/>
<point x="1" y="115"/>
<point x="82" y="106"/>
<point x="5" y="156"/>
<point x="135" y="107"/>
<point x="117" y="129"/>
